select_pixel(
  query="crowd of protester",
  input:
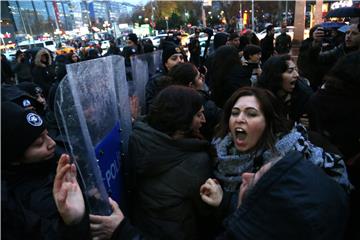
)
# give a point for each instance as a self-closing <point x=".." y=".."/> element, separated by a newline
<point x="244" y="142"/>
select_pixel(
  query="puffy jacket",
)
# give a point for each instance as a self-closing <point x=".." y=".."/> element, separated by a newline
<point x="167" y="175"/>
<point x="293" y="200"/>
<point x="29" y="208"/>
<point x="43" y="74"/>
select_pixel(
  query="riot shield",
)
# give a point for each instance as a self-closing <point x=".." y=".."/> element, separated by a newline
<point x="143" y="66"/>
<point x="140" y="76"/>
<point x="92" y="110"/>
<point x="155" y="62"/>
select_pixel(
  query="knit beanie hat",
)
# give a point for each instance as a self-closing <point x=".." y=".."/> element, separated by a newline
<point x="169" y="48"/>
<point x="14" y="94"/>
<point x="31" y="88"/>
<point x="20" y="128"/>
<point x="133" y="37"/>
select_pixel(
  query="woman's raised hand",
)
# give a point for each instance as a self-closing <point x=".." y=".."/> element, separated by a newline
<point x="67" y="193"/>
<point x="211" y="192"/>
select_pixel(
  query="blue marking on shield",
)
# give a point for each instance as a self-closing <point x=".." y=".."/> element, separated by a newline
<point x="108" y="153"/>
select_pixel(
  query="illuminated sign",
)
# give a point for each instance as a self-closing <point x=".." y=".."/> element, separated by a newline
<point x="340" y="4"/>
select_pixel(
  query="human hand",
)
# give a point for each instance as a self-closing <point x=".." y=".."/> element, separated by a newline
<point x="103" y="227"/>
<point x="134" y="107"/>
<point x="211" y="192"/>
<point x="67" y="193"/>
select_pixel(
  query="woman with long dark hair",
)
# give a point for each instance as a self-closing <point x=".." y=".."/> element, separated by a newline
<point x="254" y="130"/>
<point x="226" y="76"/>
<point x="170" y="164"/>
<point x="280" y="76"/>
<point x="187" y="74"/>
<point x="276" y="183"/>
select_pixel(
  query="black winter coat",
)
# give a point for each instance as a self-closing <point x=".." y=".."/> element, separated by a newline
<point x="166" y="177"/>
<point x="28" y="207"/>
<point x="300" y="97"/>
<point x="308" y="65"/>
<point x="7" y="75"/>
<point x="23" y="72"/>
<point x="267" y="48"/>
<point x="337" y="117"/>
<point x="293" y="200"/>
<point x="152" y="88"/>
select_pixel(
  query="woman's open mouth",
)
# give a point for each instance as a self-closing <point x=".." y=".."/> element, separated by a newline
<point x="240" y="134"/>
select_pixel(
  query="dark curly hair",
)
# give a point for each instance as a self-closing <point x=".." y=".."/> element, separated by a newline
<point x="173" y="109"/>
<point x="183" y="74"/>
<point x="250" y="50"/>
<point x="271" y="76"/>
<point x="275" y="118"/>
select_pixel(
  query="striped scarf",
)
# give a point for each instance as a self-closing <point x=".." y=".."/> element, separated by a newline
<point x="231" y="163"/>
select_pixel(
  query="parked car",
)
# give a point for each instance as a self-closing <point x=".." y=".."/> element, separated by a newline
<point x="156" y="39"/>
<point x="92" y="44"/>
<point x="289" y="30"/>
<point x="10" y="55"/>
<point x="202" y="37"/>
<point x="65" y="50"/>
<point x="49" y="44"/>
<point x="184" y="38"/>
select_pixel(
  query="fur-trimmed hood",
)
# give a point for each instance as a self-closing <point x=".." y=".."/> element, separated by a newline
<point x="38" y="57"/>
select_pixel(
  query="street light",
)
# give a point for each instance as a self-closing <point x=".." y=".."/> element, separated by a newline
<point x="186" y="16"/>
<point x="167" y="23"/>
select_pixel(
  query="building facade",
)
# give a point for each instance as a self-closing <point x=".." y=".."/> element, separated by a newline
<point x="36" y="17"/>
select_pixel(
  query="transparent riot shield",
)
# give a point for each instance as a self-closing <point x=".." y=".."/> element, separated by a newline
<point x="140" y="76"/>
<point x="155" y="62"/>
<point x="143" y="66"/>
<point x="92" y="110"/>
